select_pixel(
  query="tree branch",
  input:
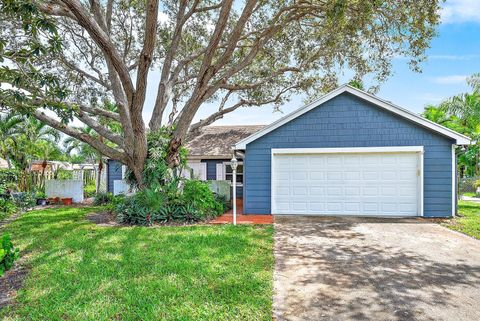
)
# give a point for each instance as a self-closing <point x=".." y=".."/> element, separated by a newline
<point x="102" y="40"/>
<point x="54" y="10"/>
<point x="95" y="143"/>
<point x="100" y="112"/>
<point x="101" y="130"/>
<point x="145" y="59"/>
<point x="164" y="87"/>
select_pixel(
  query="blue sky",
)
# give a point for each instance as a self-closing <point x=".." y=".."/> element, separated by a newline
<point x="453" y="56"/>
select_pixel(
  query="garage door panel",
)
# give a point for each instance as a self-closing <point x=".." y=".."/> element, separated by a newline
<point x="346" y="184"/>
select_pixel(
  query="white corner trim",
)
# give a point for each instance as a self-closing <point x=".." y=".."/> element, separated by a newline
<point x="422" y="185"/>
<point x="349" y="150"/>
<point x="459" y="138"/>
<point x="454" y="181"/>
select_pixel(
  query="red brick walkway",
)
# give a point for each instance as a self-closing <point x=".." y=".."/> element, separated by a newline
<point x="241" y="218"/>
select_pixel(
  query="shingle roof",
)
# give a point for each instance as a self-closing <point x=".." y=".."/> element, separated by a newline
<point x="217" y="141"/>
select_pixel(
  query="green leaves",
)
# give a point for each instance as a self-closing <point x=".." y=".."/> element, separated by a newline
<point x="8" y="254"/>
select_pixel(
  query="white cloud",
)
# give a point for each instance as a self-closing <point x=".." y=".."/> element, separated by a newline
<point x="457" y="11"/>
<point x="449" y="80"/>
<point x="454" y="57"/>
<point x="430" y="97"/>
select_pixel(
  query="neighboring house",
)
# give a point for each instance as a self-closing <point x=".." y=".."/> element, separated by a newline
<point x="351" y="153"/>
<point x="211" y="149"/>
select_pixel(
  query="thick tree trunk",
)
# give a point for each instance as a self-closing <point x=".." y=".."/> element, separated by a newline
<point x="173" y="156"/>
<point x="99" y="175"/>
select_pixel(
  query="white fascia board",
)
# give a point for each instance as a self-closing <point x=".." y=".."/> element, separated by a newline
<point x="459" y="138"/>
<point x="349" y="150"/>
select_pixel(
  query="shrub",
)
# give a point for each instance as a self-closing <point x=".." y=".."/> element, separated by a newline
<point x="195" y="203"/>
<point x="8" y="254"/>
<point x="89" y="190"/>
<point x="24" y="200"/>
<point x="7" y="207"/>
<point x="8" y="179"/>
<point x="63" y="174"/>
<point x="199" y="196"/>
<point x="102" y="198"/>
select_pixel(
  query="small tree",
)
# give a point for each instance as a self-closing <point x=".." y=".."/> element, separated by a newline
<point x="67" y="55"/>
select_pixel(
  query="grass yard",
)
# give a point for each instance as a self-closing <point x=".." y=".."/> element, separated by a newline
<point x="468" y="220"/>
<point x="80" y="271"/>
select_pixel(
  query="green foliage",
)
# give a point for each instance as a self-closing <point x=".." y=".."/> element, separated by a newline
<point x="103" y="198"/>
<point x="7" y="207"/>
<point x="7" y="178"/>
<point x="24" y="200"/>
<point x="195" y="203"/>
<point x="90" y="189"/>
<point x="8" y="254"/>
<point x="199" y="196"/>
<point x="157" y="174"/>
<point x="40" y="194"/>
<point x="166" y="196"/>
<point x="462" y="114"/>
<point x="63" y="174"/>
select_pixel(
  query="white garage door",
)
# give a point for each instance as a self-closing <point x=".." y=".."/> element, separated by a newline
<point x="379" y="184"/>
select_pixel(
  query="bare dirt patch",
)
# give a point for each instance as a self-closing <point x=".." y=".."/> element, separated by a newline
<point x="103" y="219"/>
<point x="10" y="283"/>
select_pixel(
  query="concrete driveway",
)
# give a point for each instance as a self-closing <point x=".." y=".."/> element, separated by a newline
<point x="374" y="269"/>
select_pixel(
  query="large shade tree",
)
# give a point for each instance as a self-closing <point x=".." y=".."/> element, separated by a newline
<point x="69" y="56"/>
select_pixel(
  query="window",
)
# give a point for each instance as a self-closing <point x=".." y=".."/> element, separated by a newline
<point x="229" y="173"/>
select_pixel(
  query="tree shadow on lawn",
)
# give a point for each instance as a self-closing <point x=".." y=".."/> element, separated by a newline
<point x="80" y="269"/>
<point x="331" y="271"/>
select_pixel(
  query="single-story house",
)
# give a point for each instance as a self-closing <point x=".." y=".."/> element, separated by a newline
<point x="210" y="152"/>
<point x="346" y="153"/>
<point x="351" y="153"/>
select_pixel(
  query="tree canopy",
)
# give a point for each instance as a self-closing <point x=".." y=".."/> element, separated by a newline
<point x="462" y="114"/>
<point x="71" y="56"/>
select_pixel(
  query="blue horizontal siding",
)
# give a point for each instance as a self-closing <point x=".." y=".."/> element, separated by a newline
<point x="347" y="121"/>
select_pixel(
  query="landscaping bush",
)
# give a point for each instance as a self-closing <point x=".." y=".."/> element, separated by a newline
<point x="89" y="190"/>
<point x="8" y="179"/>
<point x="195" y="203"/>
<point x="199" y="196"/>
<point x="24" y="200"/>
<point x="102" y="198"/>
<point x="7" y="207"/>
<point x="165" y="195"/>
<point x="8" y="254"/>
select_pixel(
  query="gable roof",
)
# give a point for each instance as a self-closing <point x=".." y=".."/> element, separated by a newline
<point x="459" y="138"/>
<point x="215" y="142"/>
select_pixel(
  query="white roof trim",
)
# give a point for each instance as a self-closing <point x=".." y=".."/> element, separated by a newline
<point x="459" y="138"/>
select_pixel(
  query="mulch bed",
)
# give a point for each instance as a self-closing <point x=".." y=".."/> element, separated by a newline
<point x="103" y="219"/>
<point x="10" y="283"/>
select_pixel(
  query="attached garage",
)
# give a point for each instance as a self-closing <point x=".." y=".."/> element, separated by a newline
<point x="351" y="153"/>
<point x="348" y="181"/>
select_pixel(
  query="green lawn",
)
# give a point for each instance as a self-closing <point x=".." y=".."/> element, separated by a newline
<point x="79" y="271"/>
<point x="468" y="220"/>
